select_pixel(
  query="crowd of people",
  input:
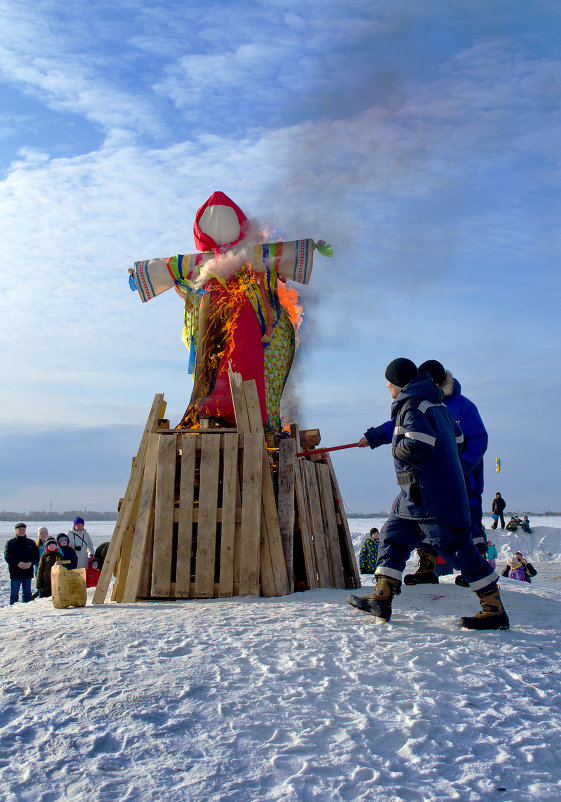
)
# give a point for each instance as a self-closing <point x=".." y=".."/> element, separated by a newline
<point x="30" y="559"/>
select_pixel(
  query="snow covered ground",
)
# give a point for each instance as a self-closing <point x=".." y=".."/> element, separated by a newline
<point x="297" y="698"/>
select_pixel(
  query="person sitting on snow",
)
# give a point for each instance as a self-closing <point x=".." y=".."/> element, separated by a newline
<point x="514" y="523"/>
<point x="525" y="524"/>
<point x="524" y="570"/>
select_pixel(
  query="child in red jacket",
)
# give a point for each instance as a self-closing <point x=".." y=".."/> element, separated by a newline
<point x="92" y="572"/>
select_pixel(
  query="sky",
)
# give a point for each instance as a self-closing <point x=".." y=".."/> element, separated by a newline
<point x="419" y="137"/>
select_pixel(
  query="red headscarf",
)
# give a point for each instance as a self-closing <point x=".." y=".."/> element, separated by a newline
<point x="219" y="224"/>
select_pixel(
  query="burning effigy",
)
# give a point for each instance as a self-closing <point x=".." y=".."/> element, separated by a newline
<point x="239" y="310"/>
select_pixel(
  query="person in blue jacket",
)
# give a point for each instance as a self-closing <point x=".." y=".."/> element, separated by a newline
<point x="466" y="414"/>
<point x="432" y="505"/>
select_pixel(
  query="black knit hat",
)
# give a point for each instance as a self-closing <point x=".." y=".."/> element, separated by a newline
<point x="400" y="371"/>
<point x="436" y="370"/>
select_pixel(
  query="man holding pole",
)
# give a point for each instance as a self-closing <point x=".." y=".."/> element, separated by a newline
<point x="432" y="505"/>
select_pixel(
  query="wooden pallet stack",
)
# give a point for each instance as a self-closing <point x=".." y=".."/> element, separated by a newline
<point x="219" y="513"/>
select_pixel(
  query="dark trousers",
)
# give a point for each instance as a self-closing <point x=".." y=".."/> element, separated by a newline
<point x="399" y="536"/>
<point x="501" y="519"/>
<point x="15" y="585"/>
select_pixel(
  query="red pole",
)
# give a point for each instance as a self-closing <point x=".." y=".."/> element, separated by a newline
<point x="322" y="450"/>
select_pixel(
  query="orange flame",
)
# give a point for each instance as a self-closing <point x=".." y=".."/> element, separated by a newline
<point x="288" y="297"/>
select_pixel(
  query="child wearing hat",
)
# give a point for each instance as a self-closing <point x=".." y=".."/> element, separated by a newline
<point x="50" y="557"/>
<point x="68" y="553"/>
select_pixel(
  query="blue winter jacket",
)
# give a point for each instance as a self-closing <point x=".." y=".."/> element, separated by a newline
<point x="467" y="416"/>
<point x="425" y="449"/>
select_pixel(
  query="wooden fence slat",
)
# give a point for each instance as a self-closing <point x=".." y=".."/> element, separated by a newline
<point x="156" y="412"/>
<point x="287" y="458"/>
<point x="143" y="520"/>
<point x="251" y="515"/>
<point x="304" y="524"/>
<point x="330" y="523"/>
<point x="228" y="517"/>
<point x="125" y="554"/>
<point x="185" y="516"/>
<point x="206" y="528"/>
<point x="324" y="569"/>
<point x="163" y="517"/>
<point x="347" y="550"/>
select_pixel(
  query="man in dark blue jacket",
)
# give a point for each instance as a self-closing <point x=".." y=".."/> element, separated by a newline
<point x="21" y="554"/>
<point x="432" y="505"/>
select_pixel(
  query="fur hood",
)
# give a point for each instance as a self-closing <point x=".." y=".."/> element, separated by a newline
<point x="448" y="385"/>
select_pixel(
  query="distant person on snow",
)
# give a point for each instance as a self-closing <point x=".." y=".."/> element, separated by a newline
<point x="21" y="554"/>
<point x="68" y="553"/>
<point x="491" y="554"/>
<point x="523" y="569"/>
<point x="497" y="509"/>
<point x="368" y="556"/>
<point x="81" y="542"/>
<point x="50" y="557"/>
<point x="514" y="523"/>
<point x="432" y="505"/>
<point x="92" y="573"/>
<point x="525" y="524"/>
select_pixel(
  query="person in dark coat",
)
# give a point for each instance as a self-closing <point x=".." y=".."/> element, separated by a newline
<point x="432" y="505"/>
<point x="528" y="568"/>
<point x="68" y="553"/>
<point x="101" y="553"/>
<point x="21" y="554"/>
<point x="50" y="557"/>
<point x="497" y="508"/>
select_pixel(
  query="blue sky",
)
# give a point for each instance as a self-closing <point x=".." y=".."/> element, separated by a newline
<point x="420" y="138"/>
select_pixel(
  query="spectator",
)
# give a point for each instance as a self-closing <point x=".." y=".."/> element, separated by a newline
<point x="368" y="556"/>
<point x="491" y="554"/>
<point x="42" y="535"/>
<point x="92" y="573"/>
<point x="520" y="563"/>
<point x="514" y="523"/>
<point x="525" y="524"/>
<point x="81" y="542"/>
<point x="21" y="554"/>
<point x="101" y="553"/>
<point x="50" y="556"/>
<point x="68" y="553"/>
<point x="498" y="508"/>
<point x="514" y="569"/>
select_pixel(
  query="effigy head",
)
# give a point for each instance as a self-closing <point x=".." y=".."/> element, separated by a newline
<point x="219" y="223"/>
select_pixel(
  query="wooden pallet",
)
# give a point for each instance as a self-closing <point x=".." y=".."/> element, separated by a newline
<point x="212" y="513"/>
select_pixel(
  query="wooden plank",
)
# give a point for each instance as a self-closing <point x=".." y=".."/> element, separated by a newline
<point x="228" y="514"/>
<point x="143" y="519"/>
<point x="156" y="412"/>
<point x="347" y="551"/>
<point x="206" y="529"/>
<point x="318" y="534"/>
<point x="287" y="458"/>
<point x="145" y="582"/>
<point x="275" y="583"/>
<point x="239" y="402"/>
<point x="185" y="517"/>
<point x="304" y="525"/>
<point x="330" y="524"/>
<point x="251" y="515"/>
<point x="125" y="554"/>
<point x="163" y="517"/>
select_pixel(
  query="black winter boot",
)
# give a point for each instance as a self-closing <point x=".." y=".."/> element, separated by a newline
<point x="492" y="614"/>
<point x="424" y="575"/>
<point x="379" y="602"/>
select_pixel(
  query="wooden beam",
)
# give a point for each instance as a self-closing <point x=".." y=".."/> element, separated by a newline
<point x="206" y="529"/>
<point x="157" y="411"/>
<point x="143" y="521"/>
<point x="163" y="517"/>
<point x="287" y="458"/>
<point x="185" y="517"/>
<point x="228" y="514"/>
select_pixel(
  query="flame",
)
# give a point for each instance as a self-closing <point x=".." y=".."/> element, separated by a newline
<point x="288" y="297"/>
